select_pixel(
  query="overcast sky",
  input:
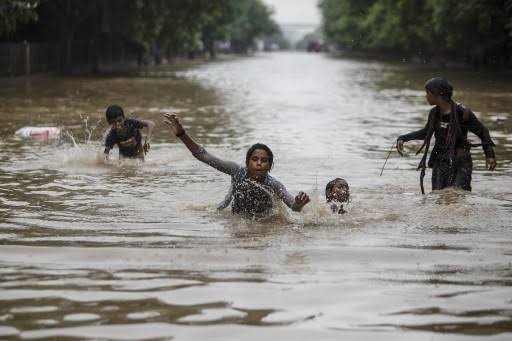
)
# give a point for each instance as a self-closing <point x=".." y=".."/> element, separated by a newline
<point x="295" y="11"/>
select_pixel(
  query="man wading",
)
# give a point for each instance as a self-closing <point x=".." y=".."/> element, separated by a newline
<point x="449" y="123"/>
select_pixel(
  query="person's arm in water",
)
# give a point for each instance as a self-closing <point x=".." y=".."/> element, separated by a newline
<point x="106" y="153"/>
<point x="477" y="128"/>
<point x="199" y="152"/>
<point x="415" y="135"/>
<point x="150" y="126"/>
<point x="296" y="203"/>
<point x="109" y="144"/>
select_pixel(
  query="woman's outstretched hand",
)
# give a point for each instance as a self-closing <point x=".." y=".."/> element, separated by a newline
<point x="172" y="121"/>
<point x="300" y="201"/>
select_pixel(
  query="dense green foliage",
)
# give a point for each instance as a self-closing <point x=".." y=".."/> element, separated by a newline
<point x="166" y="26"/>
<point x="13" y="13"/>
<point x="252" y="18"/>
<point x="474" y="31"/>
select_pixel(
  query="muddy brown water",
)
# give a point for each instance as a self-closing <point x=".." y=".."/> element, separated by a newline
<point x="127" y="250"/>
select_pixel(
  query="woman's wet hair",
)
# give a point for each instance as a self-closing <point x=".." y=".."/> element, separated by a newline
<point x="263" y="147"/>
<point x="330" y="185"/>
<point x="113" y="112"/>
<point x="440" y="87"/>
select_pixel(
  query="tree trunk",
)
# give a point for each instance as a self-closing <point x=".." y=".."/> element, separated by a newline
<point x="66" y="41"/>
<point x="210" y="47"/>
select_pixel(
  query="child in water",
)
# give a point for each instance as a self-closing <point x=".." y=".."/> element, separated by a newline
<point x="449" y="123"/>
<point x="125" y="132"/>
<point x="337" y="193"/>
<point x="252" y="187"/>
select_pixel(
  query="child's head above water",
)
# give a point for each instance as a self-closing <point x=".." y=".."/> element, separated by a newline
<point x="337" y="190"/>
<point x="113" y="112"/>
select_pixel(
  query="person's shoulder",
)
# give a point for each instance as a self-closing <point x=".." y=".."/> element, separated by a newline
<point x="463" y="111"/>
<point x="434" y="113"/>
<point x="110" y="133"/>
<point x="461" y="107"/>
<point x="434" y="110"/>
<point x="133" y="120"/>
<point x="111" y="137"/>
<point x="242" y="172"/>
<point x="135" y="123"/>
<point x="272" y="181"/>
<point x="270" y="178"/>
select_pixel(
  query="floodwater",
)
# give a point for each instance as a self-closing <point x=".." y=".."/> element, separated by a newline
<point x="129" y="250"/>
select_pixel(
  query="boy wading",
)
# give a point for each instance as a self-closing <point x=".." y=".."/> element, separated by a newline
<point x="449" y="123"/>
<point x="128" y="138"/>
<point x="125" y="132"/>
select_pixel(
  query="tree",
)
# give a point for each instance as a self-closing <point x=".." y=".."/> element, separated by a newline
<point x="252" y="19"/>
<point x="476" y="31"/>
<point x="343" y="21"/>
<point x="216" y="25"/>
<point x="147" y="26"/>
<point x="14" y="12"/>
<point x="402" y="25"/>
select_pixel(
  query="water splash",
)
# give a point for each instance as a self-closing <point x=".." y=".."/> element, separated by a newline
<point x="72" y="138"/>
<point x="88" y="130"/>
<point x="87" y="154"/>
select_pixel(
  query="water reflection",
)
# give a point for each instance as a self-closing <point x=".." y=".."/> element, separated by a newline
<point x="137" y="250"/>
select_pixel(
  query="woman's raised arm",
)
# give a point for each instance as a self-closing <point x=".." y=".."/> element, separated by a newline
<point x="199" y="152"/>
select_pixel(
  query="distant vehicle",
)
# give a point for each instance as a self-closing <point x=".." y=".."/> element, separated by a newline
<point x="315" y="46"/>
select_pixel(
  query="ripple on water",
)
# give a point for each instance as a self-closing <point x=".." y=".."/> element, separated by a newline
<point x="143" y="315"/>
<point x="46" y="322"/>
<point x="8" y="331"/>
<point x="81" y="317"/>
<point x="211" y="315"/>
<point x="39" y="309"/>
<point x="125" y="249"/>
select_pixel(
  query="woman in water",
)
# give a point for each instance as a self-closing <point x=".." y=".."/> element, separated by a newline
<point x="252" y="188"/>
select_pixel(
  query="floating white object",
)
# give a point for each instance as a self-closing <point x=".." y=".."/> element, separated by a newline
<point x="39" y="132"/>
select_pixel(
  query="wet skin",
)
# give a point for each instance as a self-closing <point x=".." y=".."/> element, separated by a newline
<point x="118" y="124"/>
<point x="119" y="127"/>
<point x="340" y="192"/>
<point x="258" y="165"/>
<point x="446" y="108"/>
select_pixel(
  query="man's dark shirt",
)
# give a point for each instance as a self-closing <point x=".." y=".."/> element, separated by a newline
<point x="133" y="127"/>
<point x="467" y="122"/>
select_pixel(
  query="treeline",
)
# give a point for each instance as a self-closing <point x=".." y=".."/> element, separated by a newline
<point x="165" y="28"/>
<point x="478" y="32"/>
